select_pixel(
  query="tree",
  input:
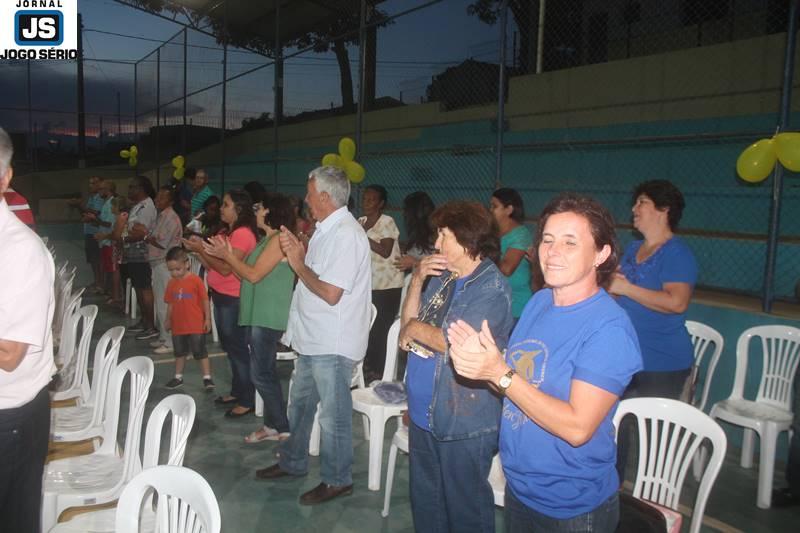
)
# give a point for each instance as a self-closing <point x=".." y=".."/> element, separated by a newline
<point x="526" y="15"/>
<point x="332" y="33"/>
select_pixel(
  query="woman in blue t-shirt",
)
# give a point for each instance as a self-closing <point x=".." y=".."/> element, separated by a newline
<point x="654" y="285"/>
<point x="515" y="239"/>
<point x="568" y="360"/>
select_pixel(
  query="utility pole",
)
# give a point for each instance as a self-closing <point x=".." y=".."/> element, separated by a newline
<point x="81" y="108"/>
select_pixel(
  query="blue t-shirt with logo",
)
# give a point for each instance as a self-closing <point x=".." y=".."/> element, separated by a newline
<point x="420" y="374"/>
<point x="591" y="341"/>
<point x="666" y="345"/>
<point x="95" y="203"/>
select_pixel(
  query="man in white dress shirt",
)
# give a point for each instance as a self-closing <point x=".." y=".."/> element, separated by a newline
<point x="328" y="328"/>
<point x="26" y="361"/>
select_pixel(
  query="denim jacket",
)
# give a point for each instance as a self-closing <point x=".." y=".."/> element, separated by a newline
<point x="462" y="408"/>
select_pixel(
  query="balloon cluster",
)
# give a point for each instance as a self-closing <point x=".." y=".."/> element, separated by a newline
<point x="758" y="159"/>
<point x="178" y="162"/>
<point x="344" y="160"/>
<point x="130" y="154"/>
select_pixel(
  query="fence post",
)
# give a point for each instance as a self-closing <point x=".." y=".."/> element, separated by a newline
<point x="30" y="115"/>
<point x="135" y="103"/>
<point x="777" y="181"/>
<point x="540" y="37"/>
<point x="81" y="103"/>
<point x="185" y="58"/>
<point x="501" y="97"/>
<point x="362" y="37"/>
<point x="277" y="93"/>
<point x="158" y="117"/>
<point x="224" y="94"/>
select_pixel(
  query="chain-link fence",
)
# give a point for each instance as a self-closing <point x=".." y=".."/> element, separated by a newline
<point x="597" y="96"/>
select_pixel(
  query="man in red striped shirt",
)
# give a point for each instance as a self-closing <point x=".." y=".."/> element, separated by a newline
<point x="19" y="206"/>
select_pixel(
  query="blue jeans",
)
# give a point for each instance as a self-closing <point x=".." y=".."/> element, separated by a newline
<point x="263" y="344"/>
<point x="323" y="379"/>
<point x="519" y="518"/>
<point x="448" y="481"/>
<point x="232" y="336"/>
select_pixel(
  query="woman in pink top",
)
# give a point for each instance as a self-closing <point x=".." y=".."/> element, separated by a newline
<point x="239" y="222"/>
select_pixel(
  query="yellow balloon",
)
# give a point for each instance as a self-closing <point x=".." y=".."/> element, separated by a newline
<point x="178" y="173"/>
<point x="134" y="151"/>
<point x="178" y="161"/>
<point x="347" y="149"/>
<point x="332" y="160"/>
<point x="124" y="154"/>
<point x="757" y="161"/>
<point x="132" y="161"/>
<point x="787" y="145"/>
<point x="355" y="172"/>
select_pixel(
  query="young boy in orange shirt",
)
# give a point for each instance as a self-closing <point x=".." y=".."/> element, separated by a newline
<point x="188" y="317"/>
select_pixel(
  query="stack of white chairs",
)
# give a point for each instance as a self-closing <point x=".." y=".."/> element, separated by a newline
<point x="186" y="503"/>
<point x="377" y="411"/>
<point x="100" y="476"/>
<point x="65" y="277"/>
<point x="770" y="413"/>
<point x="86" y="420"/>
<point x="73" y="376"/>
<point x="181" y="409"/>
<point x="670" y="434"/>
<point x="63" y="295"/>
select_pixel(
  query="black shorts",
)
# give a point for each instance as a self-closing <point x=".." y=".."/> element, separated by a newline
<point x="194" y="343"/>
<point x="140" y="274"/>
<point x="92" y="249"/>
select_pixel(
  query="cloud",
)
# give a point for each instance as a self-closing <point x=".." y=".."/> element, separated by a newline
<point x="54" y="92"/>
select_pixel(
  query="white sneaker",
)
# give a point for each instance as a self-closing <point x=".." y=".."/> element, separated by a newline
<point x="157" y="343"/>
<point x="163" y="349"/>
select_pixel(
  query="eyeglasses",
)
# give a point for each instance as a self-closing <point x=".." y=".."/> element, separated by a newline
<point x="257" y="207"/>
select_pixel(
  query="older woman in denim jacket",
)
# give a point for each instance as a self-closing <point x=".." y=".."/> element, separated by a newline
<point x="454" y="421"/>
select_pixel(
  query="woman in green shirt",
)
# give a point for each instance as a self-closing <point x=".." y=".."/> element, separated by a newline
<point x="267" y="284"/>
<point x="509" y="213"/>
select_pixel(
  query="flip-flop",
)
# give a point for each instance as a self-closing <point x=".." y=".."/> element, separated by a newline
<point x="219" y="400"/>
<point x="230" y="414"/>
<point x="254" y="437"/>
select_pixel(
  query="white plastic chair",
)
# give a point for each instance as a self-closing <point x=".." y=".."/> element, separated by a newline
<point x="770" y="413"/>
<point x="186" y="503"/>
<point x="100" y="476"/>
<point x="182" y="410"/>
<point x="69" y="332"/>
<point x="86" y="420"/>
<point x="703" y="336"/>
<point x="378" y="412"/>
<point x="75" y="377"/>
<point x="670" y="433"/>
<point x="131" y="304"/>
<point x="497" y="479"/>
<point x="66" y="342"/>
<point x="399" y="442"/>
<point x="356" y="382"/>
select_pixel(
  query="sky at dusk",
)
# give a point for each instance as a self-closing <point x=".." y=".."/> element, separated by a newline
<point x="410" y="51"/>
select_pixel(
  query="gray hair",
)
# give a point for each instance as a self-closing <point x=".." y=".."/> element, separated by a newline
<point x="333" y="181"/>
<point x="6" y="151"/>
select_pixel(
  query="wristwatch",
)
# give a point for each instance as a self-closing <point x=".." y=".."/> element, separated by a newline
<point x="505" y="381"/>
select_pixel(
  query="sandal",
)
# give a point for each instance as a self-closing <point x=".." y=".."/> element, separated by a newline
<point x="260" y="435"/>
<point x="220" y="400"/>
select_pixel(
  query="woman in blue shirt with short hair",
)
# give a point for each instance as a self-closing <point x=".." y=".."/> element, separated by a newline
<point x="568" y="361"/>
<point x="654" y="285"/>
